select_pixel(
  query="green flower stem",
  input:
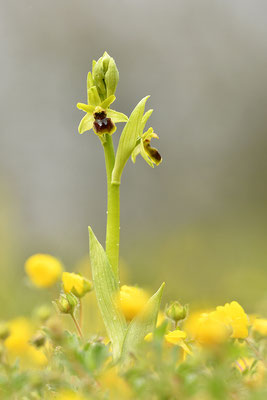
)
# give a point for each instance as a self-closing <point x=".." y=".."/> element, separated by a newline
<point x="77" y="325"/>
<point x="113" y="209"/>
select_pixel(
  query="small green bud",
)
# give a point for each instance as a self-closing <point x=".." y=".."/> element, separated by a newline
<point x="176" y="311"/>
<point x="67" y="303"/>
<point x="111" y="77"/>
<point x="105" y="75"/>
<point x="4" y="331"/>
<point x="72" y="299"/>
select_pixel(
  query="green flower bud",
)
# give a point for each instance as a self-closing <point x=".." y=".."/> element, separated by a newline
<point x="67" y="303"/>
<point x="105" y="76"/>
<point x="4" y="331"/>
<point x="176" y="311"/>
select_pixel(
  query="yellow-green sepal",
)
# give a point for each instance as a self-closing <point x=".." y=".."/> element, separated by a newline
<point x="93" y="97"/>
<point x="107" y="102"/>
<point x="116" y="116"/>
<point x="86" y="123"/>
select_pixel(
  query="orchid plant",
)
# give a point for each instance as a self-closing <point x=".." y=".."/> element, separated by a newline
<point x="101" y="87"/>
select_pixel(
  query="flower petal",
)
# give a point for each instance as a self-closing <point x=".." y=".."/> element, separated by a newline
<point x="145" y="155"/>
<point x="135" y="153"/>
<point x="86" y="107"/>
<point x="106" y="103"/>
<point x="86" y="123"/>
<point x="153" y="154"/>
<point x="116" y="116"/>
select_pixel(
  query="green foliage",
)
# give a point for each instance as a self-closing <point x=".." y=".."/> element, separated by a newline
<point x="107" y="290"/>
<point x="142" y="324"/>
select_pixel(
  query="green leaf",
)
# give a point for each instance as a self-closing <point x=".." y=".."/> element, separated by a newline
<point x="107" y="290"/>
<point x="128" y="140"/>
<point x="142" y="324"/>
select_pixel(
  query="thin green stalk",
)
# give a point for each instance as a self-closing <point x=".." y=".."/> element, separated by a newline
<point x="77" y="325"/>
<point x="113" y="208"/>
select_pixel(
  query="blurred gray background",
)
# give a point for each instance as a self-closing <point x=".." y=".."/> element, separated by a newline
<point x="198" y="221"/>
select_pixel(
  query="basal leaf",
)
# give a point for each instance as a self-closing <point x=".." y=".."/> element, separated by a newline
<point x="142" y="324"/>
<point x="107" y="290"/>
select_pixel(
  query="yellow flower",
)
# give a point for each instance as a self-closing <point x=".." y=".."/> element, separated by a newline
<point x="18" y="343"/>
<point x="192" y="321"/>
<point x="132" y="301"/>
<point x="174" y="338"/>
<point x="177" y="338"/>
<point x="43" y="270"/>
<point x="117" y="387"/>
<point x="76" y="284"/>
<point x="66" y="394"/>
<point x="233" y="315"/>
<point x="209" y="330"/>
<point x="260" y="325"/>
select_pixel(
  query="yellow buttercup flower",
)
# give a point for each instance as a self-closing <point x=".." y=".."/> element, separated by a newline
<point x="66" y="394"/>
<point x="76" y="284"/>
<point x="177" y="338"/>
<point x="260" y="325"/>
<point x="209" y="330"/>
<point x="233" y="314"/>
<point x="217" y="326"/>
<point x="18" y="344"/>
<point x="132" y="301"/>
<point x="115" y="385"/>
<point x="174" y="338"/>
<point x="43" y="269"/>
<point x="192" y="321"/>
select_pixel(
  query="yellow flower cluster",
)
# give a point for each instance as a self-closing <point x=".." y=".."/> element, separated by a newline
<point x="217" y="326"/>
<point x="43" y="270"/>
<point x="132" y="301"/>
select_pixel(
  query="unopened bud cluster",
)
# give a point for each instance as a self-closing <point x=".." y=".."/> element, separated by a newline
<point x="176" y="311"/>
<point x="105" y="76"/>
<point x="67" y="303"/>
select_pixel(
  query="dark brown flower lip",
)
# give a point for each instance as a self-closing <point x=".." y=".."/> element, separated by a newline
<point x="104" y="125"/>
